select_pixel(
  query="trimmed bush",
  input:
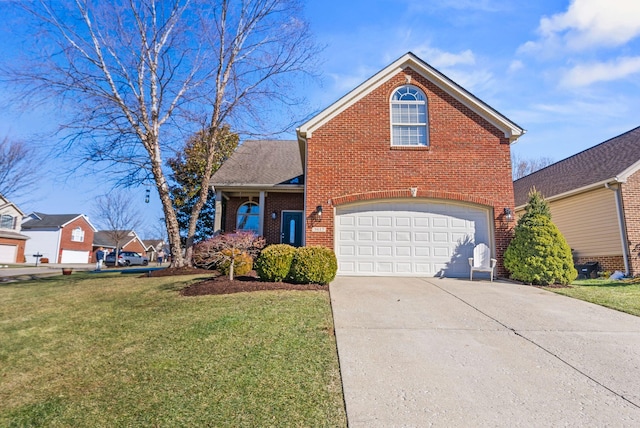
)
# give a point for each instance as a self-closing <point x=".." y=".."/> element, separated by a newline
<point x="242" y="262"/>
<point x="314" y="265"/>
<point x="538" y="253"/>
<point x="274" y="262"/>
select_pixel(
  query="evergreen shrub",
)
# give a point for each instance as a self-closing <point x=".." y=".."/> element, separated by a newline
<point x="313" y="265"/>
<point x="274" y="262"/>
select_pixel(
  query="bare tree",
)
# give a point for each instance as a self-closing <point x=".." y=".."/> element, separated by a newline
<point x="18" y="167"/>
<point x="521" y="167"/>
<point x="117" y="217"/>
<point x="142" y="74"/>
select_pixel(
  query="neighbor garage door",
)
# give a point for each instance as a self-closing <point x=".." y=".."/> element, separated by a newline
<point x="71" y="256"/>
<point x="8" y="253"/>
<point x="409" y="238"/>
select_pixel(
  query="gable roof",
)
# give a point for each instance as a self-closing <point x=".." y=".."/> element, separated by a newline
<point x="38" y="220"/>
<point x="152" y="244"/>
<point x="511" y="130"/>
<point x="104" y="238"/>
<point x="5" y="203"/>
<point x="611" y="161"/>
<point x="246" y="166"/>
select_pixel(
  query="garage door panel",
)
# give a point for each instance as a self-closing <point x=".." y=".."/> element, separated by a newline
<point x="8" y="253"/>
<point x="409" y="238"/>
<point x="385" y="236"/>
<point x="384" y="221"/>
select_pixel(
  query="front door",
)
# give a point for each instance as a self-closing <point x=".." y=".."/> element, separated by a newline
<point x="291" y="228"/>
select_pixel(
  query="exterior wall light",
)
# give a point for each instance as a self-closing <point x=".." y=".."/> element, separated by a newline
<point x="274" y="215"/>
<point x="508" y="215"/>
<point x="319" y="212"/>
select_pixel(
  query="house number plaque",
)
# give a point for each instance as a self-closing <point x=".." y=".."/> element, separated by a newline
<point x="318" y="229"/>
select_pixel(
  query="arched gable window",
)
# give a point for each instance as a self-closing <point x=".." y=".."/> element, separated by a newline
<point x="248" y="217"/>
<point x="409" y="117"/>
<point x="7" y="221"/>
<point x="77" y="234"/>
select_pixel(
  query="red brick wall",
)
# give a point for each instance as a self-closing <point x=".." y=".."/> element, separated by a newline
<point x="67" y="244"/>
<point x="631" y="204"/>
<point x="20" y="257"/>
<point x="273" y="202"/>
<point x="606" y="263"/>
<point x="467" y="159"/>
<point x="136" y="246"/>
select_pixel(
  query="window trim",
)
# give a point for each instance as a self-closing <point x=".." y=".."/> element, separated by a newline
<point x="74" y="234"/>
<point x="424" y="101"/>
<point x="256" y="215"/>
<point x="10" y="219"/>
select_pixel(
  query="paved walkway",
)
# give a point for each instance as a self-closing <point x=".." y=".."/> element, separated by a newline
<point x="418" y="352"/>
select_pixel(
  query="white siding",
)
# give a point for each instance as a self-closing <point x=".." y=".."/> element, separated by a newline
<point x="43" y="241"/>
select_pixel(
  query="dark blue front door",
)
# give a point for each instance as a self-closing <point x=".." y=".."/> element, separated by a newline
<point x="292" y="228"/>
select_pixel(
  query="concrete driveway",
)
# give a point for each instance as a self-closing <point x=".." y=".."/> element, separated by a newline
<point x="418" y="352"/>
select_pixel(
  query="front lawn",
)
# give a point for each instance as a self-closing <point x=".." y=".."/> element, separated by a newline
<point x="115" y="350"/>
<point x="620" y="295"/>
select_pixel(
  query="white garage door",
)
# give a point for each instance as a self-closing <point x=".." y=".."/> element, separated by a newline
<point x="8" y="253"/>
<point x="71" y="256"/>
<point x="409" y="238"/>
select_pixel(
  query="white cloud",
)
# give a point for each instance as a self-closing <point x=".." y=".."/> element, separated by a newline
<point x="588" y="23"/>
<point x="439" y="58"/>
<point x="586" y="74"/>
<point x="515" y="66"/>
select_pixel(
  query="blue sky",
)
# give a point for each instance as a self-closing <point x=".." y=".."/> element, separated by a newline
<point x="566" y="71"/>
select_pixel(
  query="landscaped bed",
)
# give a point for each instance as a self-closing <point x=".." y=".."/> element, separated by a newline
<point x="113" y="350"/>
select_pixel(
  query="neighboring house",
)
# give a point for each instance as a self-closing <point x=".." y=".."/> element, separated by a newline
<point x="129" y="241"/>
<point x="401" y="176"/>
<point x="153" y="246"/>
<point x="62" y="238"/>
<point x="12" y="242"/>
<point x="594" y="197"/>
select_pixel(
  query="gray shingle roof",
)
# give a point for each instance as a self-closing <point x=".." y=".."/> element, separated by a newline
<point x="598" y="164"/>
<point x="104" y="238"/>
<point x="261" y="162"/>
<point x="49" y="221"/>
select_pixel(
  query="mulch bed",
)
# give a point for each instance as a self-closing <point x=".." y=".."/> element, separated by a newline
<point x="220" y="284"/>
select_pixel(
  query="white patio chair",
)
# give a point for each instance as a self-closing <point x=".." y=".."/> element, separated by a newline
<point x="482" y="261"/>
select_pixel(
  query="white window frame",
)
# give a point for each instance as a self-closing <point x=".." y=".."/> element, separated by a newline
<point x="9" y="220"/>
<point x="77" y="235"/>
<point x="257" y="215"/>
<point x="410" y="97"/>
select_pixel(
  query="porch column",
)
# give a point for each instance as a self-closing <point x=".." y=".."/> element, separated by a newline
<point x="261" y="214"/>
<point x="217" y="221"/>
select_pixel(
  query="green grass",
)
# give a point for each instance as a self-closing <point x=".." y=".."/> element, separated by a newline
<point x="620" y="295"/>
<point x="114" y="350"/>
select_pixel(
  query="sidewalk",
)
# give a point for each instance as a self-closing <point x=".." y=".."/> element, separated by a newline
<point x="30" y="271"/>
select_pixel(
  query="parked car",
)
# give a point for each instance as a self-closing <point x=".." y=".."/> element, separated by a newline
<point x="126" y="258"/>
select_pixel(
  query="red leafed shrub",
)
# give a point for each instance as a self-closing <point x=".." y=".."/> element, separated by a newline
<point x="222" y="249"/>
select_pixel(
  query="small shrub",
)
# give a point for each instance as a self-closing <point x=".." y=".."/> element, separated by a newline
<point x="44" y="260"/>
<point x="314" y="265"/>
<point x="209" y="254"/>
<point x="538" y="253"/>
<point x="274" y="262"/>
<point x="242" y="262"/>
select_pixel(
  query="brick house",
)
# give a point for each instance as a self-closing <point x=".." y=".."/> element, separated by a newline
<point x="129" y="241"/>
<point x="404" y="175"/>
<point x="12" y="242"/>
<point x="594" y="197"/>
<point x="62" y="238"/>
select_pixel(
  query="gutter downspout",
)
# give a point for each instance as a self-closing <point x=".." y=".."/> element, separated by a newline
<point x="623" y="234"/>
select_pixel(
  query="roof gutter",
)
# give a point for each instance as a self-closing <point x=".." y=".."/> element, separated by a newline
<point x="621" y="227"/>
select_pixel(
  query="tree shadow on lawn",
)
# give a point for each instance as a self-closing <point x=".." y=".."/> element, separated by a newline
<point x="220" y="284"/>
